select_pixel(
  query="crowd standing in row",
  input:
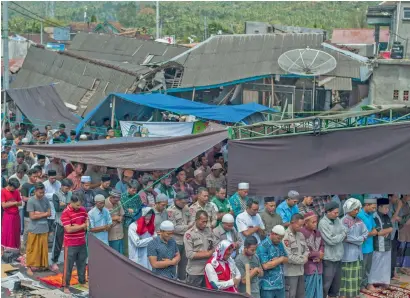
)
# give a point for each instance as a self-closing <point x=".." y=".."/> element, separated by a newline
<point x="181" y="225"/>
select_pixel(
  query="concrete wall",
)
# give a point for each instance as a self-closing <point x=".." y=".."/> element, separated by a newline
<point x="404" y="27"/>
<point x="387" y="78"/>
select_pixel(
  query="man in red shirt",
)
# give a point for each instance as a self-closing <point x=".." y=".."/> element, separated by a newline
<point x="75" y="221"/>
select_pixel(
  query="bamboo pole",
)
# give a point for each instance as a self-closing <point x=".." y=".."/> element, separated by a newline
<point x="248" y="279"/>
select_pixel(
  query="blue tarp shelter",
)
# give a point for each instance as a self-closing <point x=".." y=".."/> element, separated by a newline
<point x="136" y="105"/>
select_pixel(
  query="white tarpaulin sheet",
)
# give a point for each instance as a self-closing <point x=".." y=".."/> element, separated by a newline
<point x="156" y="129"/>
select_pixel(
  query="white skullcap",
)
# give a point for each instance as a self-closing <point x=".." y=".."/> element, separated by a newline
<point x="85" y="179"/>
<point x="99" y="198"/>
<point x="228" y="218"/>
<point x="278" y="230"/>
<point x="197" y="172"/>
<point x="167" y="226"/>
<point x="243" y="185"/>
<point x="161" y="198"/>
<point x="25" y="141"/>
<point x="83" y="137"/>
<point x="351" y="204"/>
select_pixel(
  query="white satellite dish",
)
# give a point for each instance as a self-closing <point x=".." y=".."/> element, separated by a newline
<point x="307" y="62"/>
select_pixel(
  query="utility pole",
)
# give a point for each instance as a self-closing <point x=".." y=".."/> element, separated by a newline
<point x="6" y="45"/>
<point x="41" y="32"/>
<point x="5" y="57"/>
<point x="157" y="21"/>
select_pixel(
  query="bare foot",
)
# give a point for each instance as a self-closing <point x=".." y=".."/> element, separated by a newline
<point x="29" y="272"/>
<point x="67" y="291"/>
<point x="371" y="288"/>
<point x="395" y="277"/>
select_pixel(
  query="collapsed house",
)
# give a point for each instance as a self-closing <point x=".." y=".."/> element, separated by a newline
<point x="244" y="68"/>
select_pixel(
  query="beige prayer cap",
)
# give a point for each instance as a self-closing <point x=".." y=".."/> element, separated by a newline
<point x="197" y="172"/>
<point x="243" y="185"/>
<point x="228" y="218"/>
<point x="278" y="230"/>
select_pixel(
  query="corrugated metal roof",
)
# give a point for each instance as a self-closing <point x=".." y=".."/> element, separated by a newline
<point x="228" y="58"/>
<point x="358" y="36"/>
<point x="73" y="76"/>
<point x="340" y="84"/>
<point x="122" y="49"/>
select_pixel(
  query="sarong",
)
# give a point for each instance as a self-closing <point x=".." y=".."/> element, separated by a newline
<point x="10" y="230"/>
<point x="37" y="250"/>
<point x="351" y="279"/>
<point x="314" y="285"/>
<point x="403" y="255"/>
<point x="380" y="273"/>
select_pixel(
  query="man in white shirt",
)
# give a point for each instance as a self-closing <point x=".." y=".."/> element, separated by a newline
<point x="249" y="222"/>
<point x="51" y="186"/>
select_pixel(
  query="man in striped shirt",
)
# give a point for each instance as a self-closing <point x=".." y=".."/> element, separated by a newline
<point x="75" y="222"/>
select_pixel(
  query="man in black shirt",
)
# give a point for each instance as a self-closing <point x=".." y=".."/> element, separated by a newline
<point x="27" y="191"/>
<point x="104" y="188"/>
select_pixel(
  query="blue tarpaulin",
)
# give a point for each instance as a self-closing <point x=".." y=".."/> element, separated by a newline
<point x="229" y="114"/>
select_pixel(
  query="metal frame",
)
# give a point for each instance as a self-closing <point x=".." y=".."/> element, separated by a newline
<point x="328" y="122"/>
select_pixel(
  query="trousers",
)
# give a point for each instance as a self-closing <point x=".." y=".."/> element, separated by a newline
<point x="57" y="242"/>
<point x="366" y="267"/>
<point x="332" y="274"/>
<point x="295" y="286"/>
<point x="280" y="293"/>
<point x="181" y="269"/>
<point x="196" y="280"/>
<point x="74" y="255"/>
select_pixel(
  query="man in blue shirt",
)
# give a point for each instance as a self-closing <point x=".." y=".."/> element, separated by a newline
<point x="272" y="256"/>
<point x="366" y="215"/>
<point x="100" y="219"/>
<point x="288" y="207"/>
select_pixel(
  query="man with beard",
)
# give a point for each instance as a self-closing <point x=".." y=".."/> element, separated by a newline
<point x="197" y="183"/>
<point x="238" y="200"/>
<point x="250" y="257"/>
<point x="215" y="179"/>
<point x="249" y="222"/>
<point x="161" y="214"/>
<point x="166" y="188"/>
<point x="86" y="194"/>
<point x="227" y="231"/>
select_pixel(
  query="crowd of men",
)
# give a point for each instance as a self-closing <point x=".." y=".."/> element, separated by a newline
<point x="182" y="225"/>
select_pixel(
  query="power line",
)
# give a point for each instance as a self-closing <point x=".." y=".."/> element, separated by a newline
<point x="40" y="17"/>
<point x="30" y="17"/>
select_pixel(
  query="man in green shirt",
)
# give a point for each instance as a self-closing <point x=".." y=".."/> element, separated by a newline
<point x="222" y="205"/>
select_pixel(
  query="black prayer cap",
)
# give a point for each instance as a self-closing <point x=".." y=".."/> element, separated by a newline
<point x="331" y="206"/>
<point x="381" y="202"/>
<point x="105" y="178"/>
<point x="52" y="173"/>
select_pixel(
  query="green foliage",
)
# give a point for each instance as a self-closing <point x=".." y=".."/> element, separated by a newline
<point x="185" y="19"/>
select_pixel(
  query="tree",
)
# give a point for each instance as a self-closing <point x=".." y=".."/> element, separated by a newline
<point x="93" y="19"/>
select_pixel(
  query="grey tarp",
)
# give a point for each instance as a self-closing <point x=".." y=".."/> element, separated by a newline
<point x="42" y="105"/>
<point x="365" y="160"/>
<point x="136" y="153"/>
<point x="113" y="275"/>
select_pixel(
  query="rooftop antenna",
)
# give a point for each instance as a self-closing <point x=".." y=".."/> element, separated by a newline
<point x="307" y="62"/>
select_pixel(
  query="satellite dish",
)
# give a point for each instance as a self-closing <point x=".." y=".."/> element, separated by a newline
<point x="307" y="62"/>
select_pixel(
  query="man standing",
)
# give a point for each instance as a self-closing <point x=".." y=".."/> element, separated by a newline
<point x="238" y="199"/>
<point x="116" y="233"/>
<point x="166" y="188"/>
<point x="227" y="231"/>
<point x="203" y="204"/>
<point x="38" y="208"/>
<point x="51" y="186"/>
<point x="215" y="179"/>
<point x="160" y="211"/>
<point x="298" y="253"/>
<point x="333" y="234"/>
<point x="269" y="217"/>
<point x="221" y="204"/>
<point x="250" y="223"/>
<point x="60" y="200"/>
<point x="289" y="207"/>
<point x="12" y="166"/>
<point x="104" y="188"/>
<point x="178" y="214"/>
<point x="56" y="165"/>
<point x="74" y="220"/>
<point x="381" y="264"/>
<point x="199" y="245"/>
<point x="319" y="203"/>
<point x="306" y="205"/>
<point x="100" y="219"/>
<point x="273" y="256"/>
<point x="126" y="177"/>
<point x="366" y="215"/>
<point x="75" y="176"/>
<point x="95" y="174"/>
<point x="132" y="205"/>
<point x="314" y="267"/>
<point x="249" y="256"/>
<point x="85" y="193"/>
<point x="205" y="168"/>
<point x="163" y="252"/>
<point x="181" y="185"/>
<point x="20" y="174"/>
<point x="197" y="183"/>
<point x="353" y="255"/>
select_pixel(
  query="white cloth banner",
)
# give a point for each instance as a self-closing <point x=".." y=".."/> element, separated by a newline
<point x="156" y="129"/>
